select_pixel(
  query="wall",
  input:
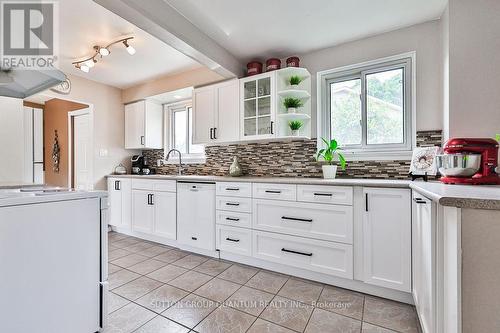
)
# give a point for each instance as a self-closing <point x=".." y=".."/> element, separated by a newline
<point x="196" y="77"/>
<point x="424" y="38"/>
<point x="56" y="118"/>
<point x="445" y="56"/>
<point x="474" y="42"/>
<point x="11" y="140"/>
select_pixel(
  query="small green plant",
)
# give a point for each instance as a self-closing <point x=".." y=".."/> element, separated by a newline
<point x="292" y="102"/>
<point x="295" y="125"/>
<point x="497" y="137"/>
<point x="328" y="154"/>
<point x="295" y="80"/>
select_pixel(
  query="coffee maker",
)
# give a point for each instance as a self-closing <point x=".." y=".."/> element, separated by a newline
<point x="469" y="161"/>
<point x="138" y="164"/>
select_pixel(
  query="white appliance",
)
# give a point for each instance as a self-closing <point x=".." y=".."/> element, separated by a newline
<point x="33" y="133"/>
<point x="53" y="259"/>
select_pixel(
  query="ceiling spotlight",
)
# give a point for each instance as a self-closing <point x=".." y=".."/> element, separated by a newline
<point x="103" y="51"/>
<point x="90" y="63"/>
<point x="130" y="49"/>
<point x="84" y="68"/>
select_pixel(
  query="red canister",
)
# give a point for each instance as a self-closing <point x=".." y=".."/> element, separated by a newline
<point x="253" y="68"/>
<point x="292" y="62"/>
<point x="273" y="64"/>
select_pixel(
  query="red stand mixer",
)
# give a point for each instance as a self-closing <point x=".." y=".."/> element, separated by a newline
<point x="469" y="161"/>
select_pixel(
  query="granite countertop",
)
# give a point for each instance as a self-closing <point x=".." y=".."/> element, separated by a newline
<point x="462" y="196"/>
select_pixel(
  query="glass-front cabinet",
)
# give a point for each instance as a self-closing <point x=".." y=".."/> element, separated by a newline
<point x="258" y="106"/>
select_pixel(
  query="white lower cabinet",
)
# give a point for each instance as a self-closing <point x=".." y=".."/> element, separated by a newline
<point x="142" y="211"/>
<point x="235" y="240"/>
<point x="196" y="215"/>
<point x="165" y="220"/>
<point x="311" y="254"/>
<point x="119" y="195"/>
<point x="387" y="238"/>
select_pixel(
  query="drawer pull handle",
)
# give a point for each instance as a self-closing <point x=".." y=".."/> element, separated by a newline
<point x="273" y="191"/>
<point x="297" y="252"/>
<point x="194" y="238"/>
<point x="323" y="194"/>
<point x="232" y="240"/>
<point x="419" y="200"/>
<point x="232" y="219"/>
<point x="232" y="204"/>
<point x="296" y="219"/>
<point x="232" y="189"/>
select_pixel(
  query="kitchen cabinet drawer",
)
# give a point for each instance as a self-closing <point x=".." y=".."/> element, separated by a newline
<point x="243" y="205"/>
<point x="275" y="191"/>
<point x="235" y="240"/>
<point x="320" y="256"/>
<point x="339" y="195"/>
<point x="234" y="189"/>
<point x="233" y="219"/>
<point x="327" y="222"/>
<point x="154" y="185"/>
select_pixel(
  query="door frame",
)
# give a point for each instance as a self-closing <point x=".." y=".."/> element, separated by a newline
<point x="90" y="112"/>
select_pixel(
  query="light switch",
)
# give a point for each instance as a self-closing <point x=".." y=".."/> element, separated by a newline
<point x="103" y="152"/>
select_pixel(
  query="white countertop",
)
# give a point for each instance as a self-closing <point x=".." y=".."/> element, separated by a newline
<point x="11" y="197"/>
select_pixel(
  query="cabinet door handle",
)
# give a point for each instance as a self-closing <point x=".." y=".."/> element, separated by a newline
<point x="117" y="185"/>
<point x="232" y="204"/>
<point x="419" y="200"/>
<point x="273" y="191"/>
<point x="142" y="140"/>
<point x="297" y="252"/>
<point x="211" y="133"/>
<point x="232" y="239"/>
<point x="296" y="219"/>
<point x="149" y="199"/>
<point x="323" y="194"/>
<point x="152" y="202"/>
<point x="215" y="131"/>
<point x="366" y="202"/>
<point x="272" y="127"/>
<point x="194" y="238"/>
<point x="232" y="219"/>
<point x="232" y="189"/>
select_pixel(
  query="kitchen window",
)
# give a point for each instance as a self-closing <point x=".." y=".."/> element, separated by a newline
<point x="368" y="108"/>
<point x="179" y="124"/>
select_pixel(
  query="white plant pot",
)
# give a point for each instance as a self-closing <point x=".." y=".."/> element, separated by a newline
<point x="292" y="110"/>
<point x="329" y="171"/>
<point x="295" y="132"/>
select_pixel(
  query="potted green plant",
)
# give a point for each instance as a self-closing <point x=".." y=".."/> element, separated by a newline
<point x="328" y="155"/>
<point x="295" y="126"/>
<point x="295" y="80"/>
<point x="292" y="103"/>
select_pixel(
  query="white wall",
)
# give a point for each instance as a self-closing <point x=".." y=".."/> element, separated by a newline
<point x="445" y="39"/>
<point x="11" y="140"/>
<point x="474" y="28"/>
<point x="424" y="38"/>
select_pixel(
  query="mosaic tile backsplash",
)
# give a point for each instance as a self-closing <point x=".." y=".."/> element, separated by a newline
<point x="289" y="159"/>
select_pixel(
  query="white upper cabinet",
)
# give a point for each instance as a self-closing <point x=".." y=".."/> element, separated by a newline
<point x="216" y="113"/>
<point x="387" y="238"/>
<point x="143" y="125"/>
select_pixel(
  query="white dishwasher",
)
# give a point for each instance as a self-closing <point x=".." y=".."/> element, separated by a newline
<point x="196" y="214"/>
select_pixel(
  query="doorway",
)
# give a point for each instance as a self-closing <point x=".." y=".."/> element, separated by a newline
<point x="80" y="137"/>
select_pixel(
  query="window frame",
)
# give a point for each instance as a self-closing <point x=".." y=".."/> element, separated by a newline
<point x="169" y="111"/>
<point x="366" y="151"/>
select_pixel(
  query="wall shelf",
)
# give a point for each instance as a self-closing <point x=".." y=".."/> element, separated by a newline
<point x="297" y="93"/>
<point x="294" y="116"/>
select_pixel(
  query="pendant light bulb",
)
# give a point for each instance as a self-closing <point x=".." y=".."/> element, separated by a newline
<point x="90" y="63"/>
<point x="104" y="51"/>
<point x="84" y="68"/>
<point x="129" y="48"/>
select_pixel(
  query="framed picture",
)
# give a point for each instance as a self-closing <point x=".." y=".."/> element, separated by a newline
<point x="423" y="161"/>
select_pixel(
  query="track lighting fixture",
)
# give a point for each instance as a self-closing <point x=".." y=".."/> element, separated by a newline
<point x="102" y="51"/>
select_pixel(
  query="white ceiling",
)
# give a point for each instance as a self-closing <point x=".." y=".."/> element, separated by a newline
<point x="173" y="96"/>
<point x="83" y="23"/>
<point x="279" y="28"/>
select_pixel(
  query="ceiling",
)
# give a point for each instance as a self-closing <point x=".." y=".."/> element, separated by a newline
<point x="83" y="23"/>
<point x="173" y="96"/>
<point x="261" y="28"/>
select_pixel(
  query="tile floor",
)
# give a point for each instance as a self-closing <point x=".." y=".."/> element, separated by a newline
<point x="160" y="289"/>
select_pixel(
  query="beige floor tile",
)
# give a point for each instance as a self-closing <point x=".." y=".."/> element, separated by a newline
<point x="113" y="268"/>
<point x="249" y="300"/>
<point x="263" y="326"/>
<point x="126" y="242"/>
<point x="190" y="261"/>
<point x="129" y="260"/>
<point x="288" y="313"/>
<point x="162" y="298"/>
<point x="147" y="266"/>
<point x="267" y="281"/>
<point x="128" y="319"/>
<point x="301" y="290"/>
<point x="154" y="251"/>
<point x="342" y="301"/>
<point x="238" y="274"/>
<point x="217" y="289"/>
<point x="393" y="315"/>
<point x="115" y="254"/>
<point x="369" y="328"/>
<point x="190" y="281"/>
<point x="324" y="321"/>
<point x="137" y="288"/>
<point x="212" y="267"/>
<point x="191" y="310"/>
<point x="162" y="325"/>
<point x="225" y="320"/>
<point x="167" y="273"/>
<point x="171" y="256"/>
<point x="120" y="278"/>
<point x="138" y="247"/>
<point x="115" y="302"/>
<point x="111" y="248"/>
<point x="114" y="236"/>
